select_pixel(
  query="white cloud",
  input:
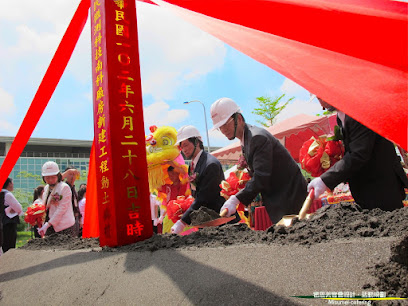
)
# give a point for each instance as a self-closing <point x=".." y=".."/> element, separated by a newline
<point x="159" y="113"/>
<point x="54" y="11"/>
<point x="174" y="52"/>
<point x="291" y="88"/>
<point x="80" y="64"/>
<point x="33" y="34"/>
<point x="30" y="40"/>
<point x="7" y="104"/>
<point x="298" y="106"/>
<point x="8" y="110"/>
<point x="7" y="128"/>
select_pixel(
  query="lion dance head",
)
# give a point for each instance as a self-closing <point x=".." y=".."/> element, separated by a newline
<point x="160" y="149"/>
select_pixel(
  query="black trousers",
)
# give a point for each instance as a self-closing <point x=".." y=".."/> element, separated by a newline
<point x="9" y="236"/>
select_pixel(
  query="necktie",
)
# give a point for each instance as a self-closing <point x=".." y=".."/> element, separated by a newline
<point x="192" y="167"/>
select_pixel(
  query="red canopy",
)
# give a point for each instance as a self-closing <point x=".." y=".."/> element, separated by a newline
<point x="292" y="133"/>
<point x="351" y="53"/>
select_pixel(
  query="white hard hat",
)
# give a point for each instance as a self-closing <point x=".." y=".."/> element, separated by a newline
<point x="186" y="132"/>
<point x="222" y="110"/>
<point x="50" y="168"/>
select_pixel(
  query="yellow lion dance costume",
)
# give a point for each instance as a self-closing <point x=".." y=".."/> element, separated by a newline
<point x="160" y="149"/>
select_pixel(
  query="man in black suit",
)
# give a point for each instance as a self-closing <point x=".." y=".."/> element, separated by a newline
<point x="370" y="165"/>
<point x="274" y="173"/>
<point x="207" y="171"/>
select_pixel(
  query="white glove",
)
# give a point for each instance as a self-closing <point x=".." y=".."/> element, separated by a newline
<point x="43" y="229"/>
<point x="230" y="205"/>
<point x="178" y="227"/>
<point x="318" y="185"/>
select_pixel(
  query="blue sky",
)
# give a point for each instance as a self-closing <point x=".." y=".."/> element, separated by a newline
<point x="179" y="62"/>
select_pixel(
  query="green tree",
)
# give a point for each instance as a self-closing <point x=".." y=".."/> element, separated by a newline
<point x="25" y="198"/>
<point x="269" y="108"/>
<point x="26" y="174"/>
<point x="326" y="113"/>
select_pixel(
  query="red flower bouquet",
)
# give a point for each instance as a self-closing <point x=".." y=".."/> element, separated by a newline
<point x="176" y="208"/>
<point x="35" y="214"/>
<point x="317" y="155"/>
<point x="234" y="183"/>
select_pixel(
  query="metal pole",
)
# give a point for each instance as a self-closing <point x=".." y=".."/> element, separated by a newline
<point x="205" y="120"/>
<point x="206" y="128"/>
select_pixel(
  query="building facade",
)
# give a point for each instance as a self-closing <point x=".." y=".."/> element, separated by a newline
<point x="26" y="173"/>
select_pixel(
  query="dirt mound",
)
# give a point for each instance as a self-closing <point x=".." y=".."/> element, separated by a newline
<point x="61" y="242"/>
<point x="393" y="275"/>
<point x="339" y="222"/>
<point x="203" y="215"/>
<point x="328" y="223"/>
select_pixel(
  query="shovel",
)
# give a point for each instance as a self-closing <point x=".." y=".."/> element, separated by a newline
<point x="287" y="220"/>
<point x="216" y="222"/>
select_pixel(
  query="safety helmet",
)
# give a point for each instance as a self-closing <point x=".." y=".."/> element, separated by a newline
<point x="50" y="168"/>
<point x="222" y="110"/>
<point x="186" y="132"/>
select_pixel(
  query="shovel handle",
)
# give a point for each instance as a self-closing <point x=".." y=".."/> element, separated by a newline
<point x="224" y="212"/>
<point x="306" y="204"/>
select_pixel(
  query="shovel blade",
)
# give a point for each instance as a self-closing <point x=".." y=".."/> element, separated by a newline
<point x="216" y="222"/>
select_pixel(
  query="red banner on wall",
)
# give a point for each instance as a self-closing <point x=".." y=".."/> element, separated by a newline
<point x="120" y="154"/>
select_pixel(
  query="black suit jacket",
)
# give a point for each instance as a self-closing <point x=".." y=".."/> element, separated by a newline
<point x="207" y="193"/>
<point x="274" y="174"/>
<point x="371" y="167"/>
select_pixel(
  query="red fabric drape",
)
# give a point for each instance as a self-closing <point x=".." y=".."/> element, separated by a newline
<point x="91" y="225"/>
<point x="46" y="88"/>
<point x="351" y="53"/>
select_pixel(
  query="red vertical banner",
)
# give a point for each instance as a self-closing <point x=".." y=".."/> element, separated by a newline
<point x="120" y="154"/>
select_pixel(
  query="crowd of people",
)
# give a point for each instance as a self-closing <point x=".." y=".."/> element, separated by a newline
<point x="64" y="206"/>
<point x="370" y="166"/>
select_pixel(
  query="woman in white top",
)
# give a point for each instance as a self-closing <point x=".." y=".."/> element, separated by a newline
<point x="57" y="199"/>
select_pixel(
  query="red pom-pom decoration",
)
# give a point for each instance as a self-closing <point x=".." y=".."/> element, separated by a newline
<point x="317" y="155"/>
<point x="176" y="208"/>
<point x="35" y="214"/>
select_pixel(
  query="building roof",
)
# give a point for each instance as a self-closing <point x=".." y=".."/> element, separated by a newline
<point x="51" y="141"/>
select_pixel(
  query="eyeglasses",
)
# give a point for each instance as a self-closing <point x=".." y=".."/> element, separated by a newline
<point x="226" y="123"/>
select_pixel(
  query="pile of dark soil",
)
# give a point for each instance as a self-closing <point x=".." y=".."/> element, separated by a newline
<point x="202" y="215"/>
<point x="392" y="276"/>
<point x="60" y="242"/>
<point x="327" y="224"/>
